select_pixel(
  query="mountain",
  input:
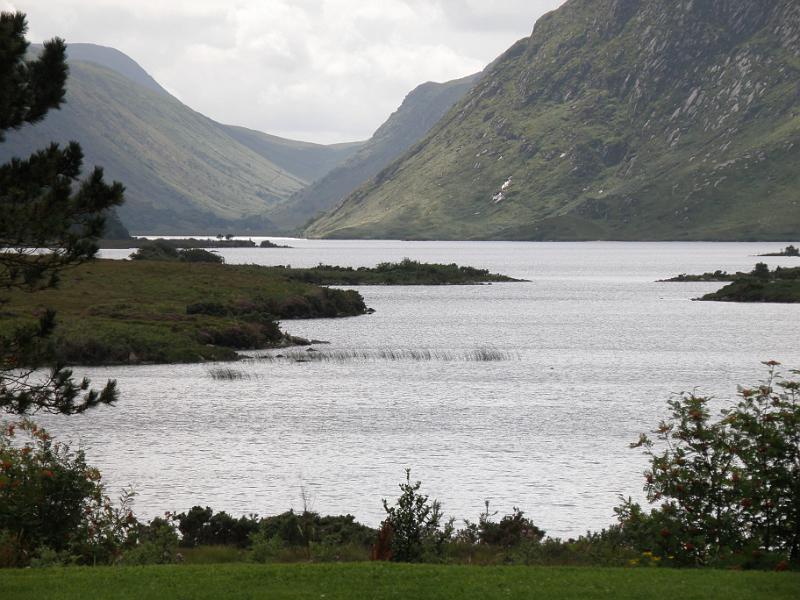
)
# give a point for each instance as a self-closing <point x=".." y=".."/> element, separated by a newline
<point x="615" y="119"/>
<point x="183" y="172"/>
<point x="306" y="160"/>
<point x="113" y="59"/>
<point x="421" y="110"/>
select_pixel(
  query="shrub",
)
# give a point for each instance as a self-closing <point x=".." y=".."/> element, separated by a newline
<point x="201" y="526"/>
<point x="264" y="548"/>
<point x="157" y="250"/>
<point x="726" y="486"/>
<point x="416" y="524"/>
<point x="761" y="270"/>
<point x="196" y="255"/>
<point x="292" y="535"/>
<point x="53" y="503"/>
<point x="156" y="543"/>
<point x="511" y="531"/>
<point x="241" y="336"/>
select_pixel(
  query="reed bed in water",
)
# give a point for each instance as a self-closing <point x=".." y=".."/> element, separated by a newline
<point x="391" y="354"/>
<point x="226" y="374"/>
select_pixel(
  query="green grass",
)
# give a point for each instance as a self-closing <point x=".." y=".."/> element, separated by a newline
<point x="114" y="312"/>
<point x="379" y="581"/>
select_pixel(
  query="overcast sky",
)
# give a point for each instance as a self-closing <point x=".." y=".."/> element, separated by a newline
<point x="316" y="70"/>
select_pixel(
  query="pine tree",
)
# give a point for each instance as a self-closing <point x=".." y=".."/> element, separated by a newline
<point x="49" y="220"/>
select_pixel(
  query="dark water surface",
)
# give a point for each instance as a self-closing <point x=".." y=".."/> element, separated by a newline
<point x="593" y="348"/>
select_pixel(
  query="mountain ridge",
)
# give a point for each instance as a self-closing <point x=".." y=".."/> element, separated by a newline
<point x="420" y="110"/>
<point x="183" y="172"/>
<point x="615" y="119"/>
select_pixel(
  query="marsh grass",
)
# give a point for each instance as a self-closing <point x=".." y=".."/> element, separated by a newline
<point x="228" y="374"/>
<point x="482" y="354"/>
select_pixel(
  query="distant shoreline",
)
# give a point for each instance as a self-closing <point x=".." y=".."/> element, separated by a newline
<point x="138" y="242"/>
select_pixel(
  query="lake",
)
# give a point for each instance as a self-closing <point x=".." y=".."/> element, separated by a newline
<point x="592" y="347"/>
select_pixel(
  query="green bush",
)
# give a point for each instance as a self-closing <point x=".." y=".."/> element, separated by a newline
<point x="53" y="503"/>
<point x="265" y="548"/>
<point x="415" y="524"/>
<point x="196" y="255"/>
<point x="202" y="527"/>
<point x="511" y="531"/>
<point x="156" y="543"/>
<point x="157" y="250"/>
<point x="727" y="487"/>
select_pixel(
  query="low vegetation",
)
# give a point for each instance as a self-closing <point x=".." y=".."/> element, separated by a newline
<point x="405" y="272"/>
<point x="171" y="311"/>
<point x="715" y="276"/>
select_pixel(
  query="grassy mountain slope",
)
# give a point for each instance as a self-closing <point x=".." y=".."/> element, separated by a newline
<point x="306" y="160"/>
<point x="113" y="59"/>
<point x="616" y="119"/>
<point x="420" y="111"/>
<point x="183" y="172"/>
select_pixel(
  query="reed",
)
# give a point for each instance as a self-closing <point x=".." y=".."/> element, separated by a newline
<point x="227" y="374"/>
<point x="481" y="354"/>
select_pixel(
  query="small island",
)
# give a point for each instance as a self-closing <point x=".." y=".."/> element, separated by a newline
<point x="759" y="285"/>
<point x="405" y="272"/>
<point x="790" y="250"/>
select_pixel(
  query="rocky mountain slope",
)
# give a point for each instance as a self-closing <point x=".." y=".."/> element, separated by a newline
<point x="616" y="119"/>
<point x="421" y="110"/>
<point x="183" y="172"/>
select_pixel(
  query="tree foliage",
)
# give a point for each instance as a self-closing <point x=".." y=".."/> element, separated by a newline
<point x="50" y="499"/>
<point x="725" y="486"/>
<point x="49" y="220"/>
<point x="415" y="524"/>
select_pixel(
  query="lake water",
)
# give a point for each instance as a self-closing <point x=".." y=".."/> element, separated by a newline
<point x="594" y="345"/>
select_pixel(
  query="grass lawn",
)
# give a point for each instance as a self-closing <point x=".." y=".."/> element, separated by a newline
<point x="378" y="581"/>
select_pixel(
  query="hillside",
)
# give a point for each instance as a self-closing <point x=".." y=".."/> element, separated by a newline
<point x="183" y="172"/>
<point x="616" y="119"/>
<point x="306" y="160"/>
<point x="113" y="59"/>
<point x="421" y="110"/>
